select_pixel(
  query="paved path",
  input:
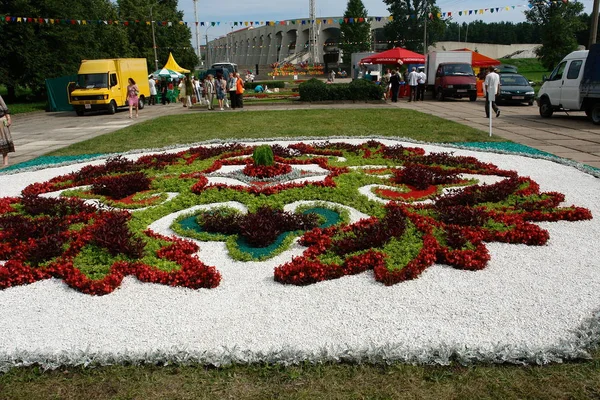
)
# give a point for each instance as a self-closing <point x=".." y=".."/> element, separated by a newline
<point x="573" y="137"/>
<point x="570" y="136"/>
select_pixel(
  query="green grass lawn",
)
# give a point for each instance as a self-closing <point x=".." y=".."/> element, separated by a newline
<point x="323" y="381"/>
<point x="530" y="68"/>
<point x="196" y="127"/>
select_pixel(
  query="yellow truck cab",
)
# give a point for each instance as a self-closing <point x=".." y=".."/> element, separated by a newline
<point x="102" y="84"/>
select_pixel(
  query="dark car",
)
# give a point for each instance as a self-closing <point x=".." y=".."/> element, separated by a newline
<point x="515" y="88"/>
<point x="507" y="69"/>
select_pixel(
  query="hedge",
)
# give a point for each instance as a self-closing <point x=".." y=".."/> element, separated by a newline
<point x="357" y="90"/>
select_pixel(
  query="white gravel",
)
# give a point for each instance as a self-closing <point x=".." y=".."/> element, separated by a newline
<point x="531" y="304"/>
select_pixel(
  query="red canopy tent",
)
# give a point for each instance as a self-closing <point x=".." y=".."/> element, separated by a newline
<point x="479" y="60"/>
<point x="396" y="55"/>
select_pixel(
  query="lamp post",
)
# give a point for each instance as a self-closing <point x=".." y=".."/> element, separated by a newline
<point x="153" y="37"/>
<point x="197" y="33"/>
<point x="206" y="38"/>
<point x="594" y="24"/>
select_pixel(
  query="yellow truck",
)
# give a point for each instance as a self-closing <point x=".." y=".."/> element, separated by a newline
<point x="102" y="84"/>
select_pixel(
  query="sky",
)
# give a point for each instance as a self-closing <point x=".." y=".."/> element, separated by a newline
<point x="269" y="10"/>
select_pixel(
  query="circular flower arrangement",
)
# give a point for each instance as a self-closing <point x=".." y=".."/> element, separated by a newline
<point x="430" y="208"/>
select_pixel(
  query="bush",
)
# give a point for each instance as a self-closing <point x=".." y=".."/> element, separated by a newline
<point x="270" y="84"/>
<point x="357" y="90"/>
<point x="313" y="90"/>
<point x="263" y="155"/>
<point x="363" y="90"/>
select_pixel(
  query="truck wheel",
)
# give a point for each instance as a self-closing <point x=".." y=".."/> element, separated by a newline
<point x="473" y="97"/>
<point x="595" y="116"/>
<point x="79" y="112"/>
<point x="112" y="107"/>
<point x="546" y="110"/>
<point x="141" y="102"/>
<point x="440" y="94"/>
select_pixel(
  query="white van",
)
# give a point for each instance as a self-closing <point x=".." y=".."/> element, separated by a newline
<point x="225" y="64"/>
<point x="574" y="85"/>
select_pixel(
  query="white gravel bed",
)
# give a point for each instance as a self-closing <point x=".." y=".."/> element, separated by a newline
<point x="531" y="304"/>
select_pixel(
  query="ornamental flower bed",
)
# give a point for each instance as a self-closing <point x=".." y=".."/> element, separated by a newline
<point x="452" y="230"/>
<point x="499" y="266"/>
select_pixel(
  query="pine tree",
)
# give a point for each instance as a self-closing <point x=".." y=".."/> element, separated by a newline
<point x="356" y="32"/>
<point x="559" y="22"/>
<point x="408" y="25"/>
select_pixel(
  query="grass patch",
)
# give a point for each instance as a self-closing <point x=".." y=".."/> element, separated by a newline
<point x="530" y="68"/>
<point x="324" y="381"/>
<point x="191" y="128"/>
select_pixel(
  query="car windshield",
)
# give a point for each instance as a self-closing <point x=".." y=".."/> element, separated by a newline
<point x="91" y="81"/>
<point x="513" y="80"/>
<point x="458" y="69"/>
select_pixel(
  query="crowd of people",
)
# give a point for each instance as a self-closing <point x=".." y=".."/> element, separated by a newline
<point x="416" y="81"/>
<point x="192" y="90"/>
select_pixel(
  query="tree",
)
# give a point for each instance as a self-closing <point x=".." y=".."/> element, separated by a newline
<point x="558" y="23"/>
<point x="355" y="35"/>
<point x="175" y="38"/>
<point x="32" y="52"/>
<point x="408" y="25"/>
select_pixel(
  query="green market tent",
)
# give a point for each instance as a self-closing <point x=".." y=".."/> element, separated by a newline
<point x="58" y="93"/>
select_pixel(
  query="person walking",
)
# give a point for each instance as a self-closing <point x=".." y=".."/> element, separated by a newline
<point x="395" y="85"/>
<point x="221" y="89"/>
<point x="197" y="90"/>
<point x="189" y="91"/>
<point x="421" y="84"/>
<point x="231" y="88"/>
<point x="209" y="88"/>
<point x="181" y="88"/>
<point x="239" y="91"/>
<point x="132" y="97"/>
<point x="413" y="83"/>
<point x="385" y="83"/>
<point x="491" y="86"/>
<point x="6" y="142"/>
<point x="164" y="91"/>
<point x="153" y="92"/>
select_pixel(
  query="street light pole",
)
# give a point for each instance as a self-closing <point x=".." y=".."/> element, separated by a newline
<point x="197" y="32"/>
<point x="206" y="38"/>
<point x="594" y="27"/>
<point x="153" y="38"/>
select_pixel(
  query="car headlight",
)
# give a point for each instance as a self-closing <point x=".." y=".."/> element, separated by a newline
<point x="450" y="86"/>
<point x="530" y="93"/>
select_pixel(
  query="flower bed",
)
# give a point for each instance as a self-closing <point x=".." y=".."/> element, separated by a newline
<point x="496" y="257"/>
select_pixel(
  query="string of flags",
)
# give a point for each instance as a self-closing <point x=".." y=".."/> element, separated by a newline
<point x="324" y="21"/>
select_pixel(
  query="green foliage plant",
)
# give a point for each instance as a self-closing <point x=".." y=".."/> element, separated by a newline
<point x="263" y="155"/>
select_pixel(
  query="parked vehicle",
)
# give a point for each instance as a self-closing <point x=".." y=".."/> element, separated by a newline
<point x="214" y="71"/>
<point x="231" y="67"/>
<point x="507" y="69"/>
<point x="574" y="85"/>
<point x="450" y="74"/>
<point x="359" y="71"/>
<point x="102" y="84"/>
<point x="515" y="88"/>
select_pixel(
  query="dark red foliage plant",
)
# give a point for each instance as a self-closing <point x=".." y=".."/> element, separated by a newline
<point x="120" y="186"/>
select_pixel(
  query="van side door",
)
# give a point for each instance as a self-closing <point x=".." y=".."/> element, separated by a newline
<point x="116" y="91"/>
<point x="553" y="85"/>
<point x="570" y="94"/>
